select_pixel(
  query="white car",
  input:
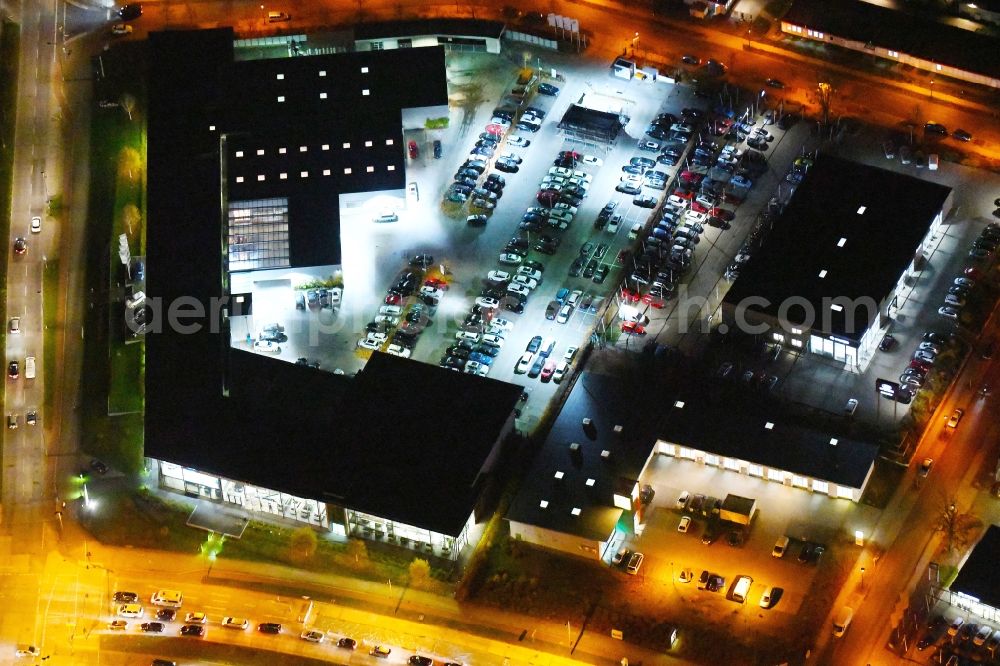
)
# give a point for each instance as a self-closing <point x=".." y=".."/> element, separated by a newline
<point x="583" y="175"/>
<point x="267" y="347"/>
<point x="235" y="623"/>
<point x="524" y="363"/>
<point x="513" y="157"/>
<point x="476" y="368"/>
<point x="312" y="636"/>
<point x="565" y="207"/>
<point x="564" y="314"/>
<point x="580" y="183"/>
<point x="433" y="292"/>
<point x="498" y="276"/>
<point x="695" y="217"/>
<point x="592" y="161"/>
<point x="511" y="259"/>
<point x="685" y="523"/>
<point x="553" y="183"/>
<point x="524" y="280"/>
<point x="530" y="272"/>
<point x="518" y="142"/>
<point x="515" y="288"/>
<point x="393" y="310"/>
<point x="36" y="224"/>
<point x="388" y="320"/>
<point x="563" y="215"/>
<point x="765" y="599"/>
<point x="561" y="368"/>
<point x="486" y="302"/>
<point x="493" y="339"/>
<point x="677" y="202"/>
<point x="27" y="651"/>
<point x="369" y="343"/>
<point x="632" y="179"/>
<point x="570" y="354"/>
<point x="562" y="172"/>
<point x="398" y="350"/>
<point x="500" y="322"/>
<point x="615" y="222"/>
<point x="471" y="336"/>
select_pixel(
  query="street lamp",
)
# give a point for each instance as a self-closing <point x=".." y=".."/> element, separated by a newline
<point x="862" y="578"/>
<point x="635" y="44"/>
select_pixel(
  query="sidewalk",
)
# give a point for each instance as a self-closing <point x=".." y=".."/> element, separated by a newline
<point x="499" y="634"/>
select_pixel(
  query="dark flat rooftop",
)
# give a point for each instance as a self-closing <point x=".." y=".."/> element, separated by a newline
<point x="733" y="423"/>
<point x="900" y="31"/>
<point x="441" y="26"/>
<point x="979" y="577"/>
<point x="850" y="231"/>
<point x="580" y="117"/>
<point x="268" y="422"/>
<point x="607" y="401"/>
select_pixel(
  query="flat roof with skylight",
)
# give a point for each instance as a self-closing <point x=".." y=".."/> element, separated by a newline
<point x="849" y="231"/>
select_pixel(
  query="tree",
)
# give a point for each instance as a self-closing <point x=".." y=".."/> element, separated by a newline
<point x="129" y="163"/>
<point x="303" y="543"/>
<point x="357" y="551"/>
<point x="131" y="218"/>
<point x="127" y="102"/>
<point x="420" y="573"/>
<point x="958" y="529"/>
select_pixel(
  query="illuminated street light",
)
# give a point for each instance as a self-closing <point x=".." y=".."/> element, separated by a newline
<point x="862" y="578"/>
<point x="859" y="538"/>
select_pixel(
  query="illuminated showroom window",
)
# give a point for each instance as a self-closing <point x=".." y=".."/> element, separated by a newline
<point x="211" y="128"/>
<point x="388" y="142"/>
<point x="544" y="504"/>
<point x="326" y="146"/>
<point x="576" y="511"/>
<point x="261" y="178"/>
<point x="303" y="149"/>
<point x="258" y="234"/>
<point x="303" y="174"/>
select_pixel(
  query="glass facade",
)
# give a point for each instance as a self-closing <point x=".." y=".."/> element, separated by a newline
<point x="371" y="527"/>
<point x="258" y="234"/>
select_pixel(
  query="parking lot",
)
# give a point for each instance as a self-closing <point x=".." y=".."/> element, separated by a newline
<point x="802" y="516"/>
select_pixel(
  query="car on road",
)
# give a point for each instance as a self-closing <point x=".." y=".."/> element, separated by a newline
<point x="561" y="368"/>
<point x="770" y="596"/>
<point x="380" y="651"/>
<point x="230" y="622"/>
<point x="36" y="222"/>
<point x="518" y="141"/>
<point x="684" y="524"/>
<point x="774" y="83"/>
<point x="152" y="627"/>
<point x="312" y="636"/>
<point x="419" y="660"/>
<point x="196" y="630"/>
<point x="20" y="246"/>
<point x="690" y="59"/>
<point x="961" y="135"/>
<point x="130" y="12"/>
<point x="955" y="417"/>
<point x="935" y="128"/>
<point x="511" y="259"/>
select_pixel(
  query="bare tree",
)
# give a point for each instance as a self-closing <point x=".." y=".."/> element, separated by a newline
<point x="958" y="529"/>
<point x="127" y="102"/>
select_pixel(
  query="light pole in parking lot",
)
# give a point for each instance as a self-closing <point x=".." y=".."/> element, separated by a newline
<point x="862" y="578"/>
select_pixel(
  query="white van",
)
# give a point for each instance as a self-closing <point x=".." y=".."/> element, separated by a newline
<point x="277" y="17"/>
<point x="167" y="598"/>
<point x="130" y="610"/>
<point x="933" y="162"/>
<point x="742" y="588"/>
<point x="842" y="621"/>
<point x="29" y="367"/>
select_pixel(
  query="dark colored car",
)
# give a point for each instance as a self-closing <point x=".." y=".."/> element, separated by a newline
<point x="130" y="12"/>
<point x="193" y="630"/>
<point x="125" y="597"/>
<point x="418" y="660"/>
<point x="547" y="89"/>
<point x="437" y="149"/>
<point x="152" y="627"/>
<point x="347" y="643"/>
<point x="269" y="628"/>
<point x="166" y="614"/>
<point x="935" y="128"/>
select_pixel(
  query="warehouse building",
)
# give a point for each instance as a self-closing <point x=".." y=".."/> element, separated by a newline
<point x="451" y="34"/>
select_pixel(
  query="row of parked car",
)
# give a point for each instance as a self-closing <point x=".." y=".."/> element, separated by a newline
<point x="977" y="640"/>
<point x="399" y="322"/>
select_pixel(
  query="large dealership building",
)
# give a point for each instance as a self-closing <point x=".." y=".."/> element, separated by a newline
<point x="827" y="276"/>
<point x="256" y="169"/>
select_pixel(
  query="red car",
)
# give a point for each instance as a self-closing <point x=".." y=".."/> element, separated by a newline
<point x="571" y="153"/>
<point x="547" y="198"/>
<point x="414" y="151"/>
<point x="722" y="213"/>
<point x="683" y="194"/>
<point x="437" y="283"/>
<point x="629" y="296"/>
<point x="654" y="301"/>
<point x="548" y="370"/>
<point x="698" y="208"/>
<point x="393" y="299"/>
<point x="633" y="328"/>
<point x="691" y="178"/>
<point x="973" y="273"/>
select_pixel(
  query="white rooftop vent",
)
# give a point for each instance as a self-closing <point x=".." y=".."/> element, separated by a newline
<point x="239" y="179"/>
<point x="322" y="72"/>
<point x="364" y="70"/>
<point x="239" y="153"/>
<point x="282" y="151"/>
<point x="559" y="474"/>
<point x="862" y="209"/>
<point x="822" y="273"/>
<point x="544" y="504"/>
<point x="346" y="145"/>
<point x="768" y="426"/>
<point x="368" y="144"/>
<point x="842" y="242"/>
<point x="679" y="404"/>
<point x="365" y="92"/>
<point x="833" y="441"/>
<point x="370" y="169"/>
<point x="280" y="77"/>
<point x="605" y="454"/>
<point x="283" y="176"/>
<point x="576" y="511"/>
<point x="322" y="95"/>
<point x="836" y="307"/>
<point x="618" y="429"/>
<point x="586" y="421"/>
<point x="281" y="98"/>
<point x="574" y="447"/>
<point x="590" y="483"/>
<point x="211" y="128"/>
